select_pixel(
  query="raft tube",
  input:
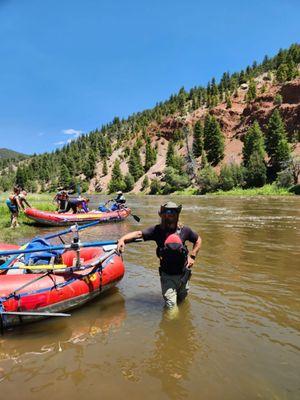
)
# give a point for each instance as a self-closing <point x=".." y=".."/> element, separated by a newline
<point x="55" y="219"/>
<point x="62" y="289"/>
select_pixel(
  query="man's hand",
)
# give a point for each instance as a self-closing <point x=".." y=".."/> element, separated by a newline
<point x="190" y="262"/>
<point x="121" y="246"/>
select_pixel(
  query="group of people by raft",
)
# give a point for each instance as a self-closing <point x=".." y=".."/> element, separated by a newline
<point x="17" y="202"/>
<point x="80" y="204"/>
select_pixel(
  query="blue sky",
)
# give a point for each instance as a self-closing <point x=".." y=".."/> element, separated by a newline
<point x="69" y="66"/>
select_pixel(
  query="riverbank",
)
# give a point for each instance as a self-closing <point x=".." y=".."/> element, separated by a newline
<point x="267" y="190"/>
<point x="41" y="201"/>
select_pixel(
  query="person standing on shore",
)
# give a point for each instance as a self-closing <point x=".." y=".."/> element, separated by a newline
<point x="175" y="260"/>
<point x="13" y="204"/>
<point x="61" y="199"/>
<point x="22" y="199"/>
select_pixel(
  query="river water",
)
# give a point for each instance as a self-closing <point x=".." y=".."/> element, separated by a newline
<point x="235" y="337"/>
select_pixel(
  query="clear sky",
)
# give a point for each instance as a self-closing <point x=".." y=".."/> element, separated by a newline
<point x="69" y="66"/>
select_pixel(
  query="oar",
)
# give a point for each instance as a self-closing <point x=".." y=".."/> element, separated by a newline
<point x="62" y="267"/>
<point x="71" y="229"/>
<point x="135" y="217"/>
<point x="54" y="235"/>
<point x="72" y="246"/>
<point x="40" y="314"/>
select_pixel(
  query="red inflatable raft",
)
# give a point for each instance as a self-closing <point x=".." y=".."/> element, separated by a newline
<point x="63" y="219"/>
<point x="56" y="288"/>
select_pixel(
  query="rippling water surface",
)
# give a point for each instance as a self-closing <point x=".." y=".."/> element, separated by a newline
<point x="236" y="337"/>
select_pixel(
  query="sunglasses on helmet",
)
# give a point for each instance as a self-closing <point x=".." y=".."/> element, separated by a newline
<point x="169" y="212"/>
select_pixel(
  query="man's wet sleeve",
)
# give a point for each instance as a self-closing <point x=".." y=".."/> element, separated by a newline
<point x="192" y="236"/>
<point x="149" y="233"/>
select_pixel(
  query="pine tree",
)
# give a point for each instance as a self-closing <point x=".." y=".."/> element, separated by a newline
<point x="129" y="182"/>
<point x="198" y="139"/>
<point x="117" y="182"/>
<point x="155" y="186"/>
<point x="145" y="183"/>
<point x="276" y="143"/>
<point x="204" y="161"/>
<point x="135" y="164"/>
<point x="213" y="140"/>
<point x="207" y="180"/>
<point x="64" y="177"/>
<point x="292" y="70"/>
<point x="256" y="171"/>
<point x="104" y="167"/>
<point x="253" y="142"/>
<point x="251" y="94"/>
<point x="228" y="100"/>
<point x="170" y="154"/>
<point x="150" y="155"/>
<point x="282" y="73"/>
<point x="226" y="179"/>
<point x="21" y="178"/>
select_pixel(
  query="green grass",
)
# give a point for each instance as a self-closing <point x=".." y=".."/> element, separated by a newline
<point x="7" y="234"/>
<point x="190" y="191"/>
<point x="267" y="190"/>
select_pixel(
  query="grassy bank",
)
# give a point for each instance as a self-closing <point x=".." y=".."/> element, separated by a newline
<point x="7" y="234"/>
<point x="267" y="190"/>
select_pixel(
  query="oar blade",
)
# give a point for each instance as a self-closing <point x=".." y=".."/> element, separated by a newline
<point x="136" y="217"/>
<point x="37" y="314"/>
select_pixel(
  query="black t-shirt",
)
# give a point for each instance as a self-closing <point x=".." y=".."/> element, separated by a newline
<point x="159" y="235"/>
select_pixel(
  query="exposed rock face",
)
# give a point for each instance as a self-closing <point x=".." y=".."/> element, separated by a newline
<point x="290" y="92"/>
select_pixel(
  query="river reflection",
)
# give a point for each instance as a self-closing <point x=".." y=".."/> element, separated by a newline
<point x="46" y="340"/>
<point x="175" y="346"/>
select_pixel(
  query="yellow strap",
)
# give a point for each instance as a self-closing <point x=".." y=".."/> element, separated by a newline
<point x="46" y="266"/>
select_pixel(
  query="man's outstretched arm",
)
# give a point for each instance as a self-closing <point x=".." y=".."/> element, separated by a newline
<point x="129" y="237"/>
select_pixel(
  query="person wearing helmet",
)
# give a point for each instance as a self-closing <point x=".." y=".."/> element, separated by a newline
<point x="175" y="260"/>
<point x="118" y="202"/>
<point x="120" y="198"/>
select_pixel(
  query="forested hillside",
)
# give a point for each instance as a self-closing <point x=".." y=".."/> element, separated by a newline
<point x="241" y="131"/>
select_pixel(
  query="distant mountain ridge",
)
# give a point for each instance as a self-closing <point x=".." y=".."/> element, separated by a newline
<point x="7" y="153"/>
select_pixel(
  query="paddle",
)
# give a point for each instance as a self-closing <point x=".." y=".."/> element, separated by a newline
<point x="135" y="217"/>
<point x="72" y="246"/>
<point x="26" y="314"/>
<point x="41" y="314"/>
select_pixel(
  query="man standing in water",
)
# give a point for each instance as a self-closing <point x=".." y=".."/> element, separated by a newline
<point x="175" y="261"/>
